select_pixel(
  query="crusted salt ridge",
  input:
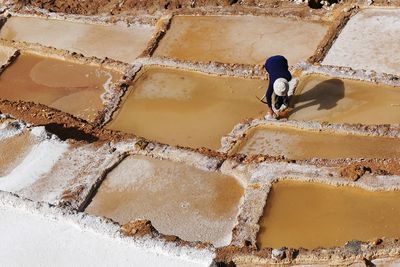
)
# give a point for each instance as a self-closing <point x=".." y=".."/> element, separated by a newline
<point x="190" y="252"/>
<point x="113" y="98"/>
<point x="292" y="11"/>
<point x="205" y="161"/>
<point x="237" y="70"/>
<point x="349" y="73"/>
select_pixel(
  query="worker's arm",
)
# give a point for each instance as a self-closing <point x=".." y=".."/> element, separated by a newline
<point x="268" y="98"/>
<point x="292" y="86"/>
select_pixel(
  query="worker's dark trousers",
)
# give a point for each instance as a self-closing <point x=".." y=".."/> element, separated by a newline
<point x="280" y="100"/>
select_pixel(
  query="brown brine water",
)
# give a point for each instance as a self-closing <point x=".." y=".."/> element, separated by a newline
<point x="296" y="143"/>
<point x="179" y="199"/>
<point x="187" y="108"/>
<point x="311" y="215"/>
<point x="70" y="87"/>
<point x="346" y="101"/>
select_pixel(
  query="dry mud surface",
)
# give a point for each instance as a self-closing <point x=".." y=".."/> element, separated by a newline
<point x="180" y="200"/>
<point x="117" y="41"/>
<point x="368" y="38"/>
<point x="239" y="39"/>
<point x="156" y="130"/>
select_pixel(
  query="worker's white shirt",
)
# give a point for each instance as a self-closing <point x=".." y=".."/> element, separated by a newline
<point x="292" y="87"/>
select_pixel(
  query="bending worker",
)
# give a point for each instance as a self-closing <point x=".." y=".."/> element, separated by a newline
<point x="281" y="86"/>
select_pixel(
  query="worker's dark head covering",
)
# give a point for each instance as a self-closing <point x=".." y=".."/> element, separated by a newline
<point x="277" y="67"/>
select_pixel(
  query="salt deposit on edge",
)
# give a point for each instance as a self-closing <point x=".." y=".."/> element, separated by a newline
<point x="35" y="234"/>
<point x="10" y="128"/>
<point x="39" y="161"/>
<point x="5" y="54"/>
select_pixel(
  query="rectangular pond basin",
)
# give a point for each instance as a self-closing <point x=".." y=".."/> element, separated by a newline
<point x="187" y="108"/>
<point x="369" y="41"/>
<point x="240" y="39"/>
<point x="112" y="41"/>
<point x="296" y="143"/>
<point x="311" y="215"/>
<point x="71" y="87"/>
<point x="323" y="98"/>
<point x="179" y="200"/>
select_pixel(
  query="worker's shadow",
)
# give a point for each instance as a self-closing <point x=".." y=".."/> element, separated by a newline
<point x="325" y="95"/>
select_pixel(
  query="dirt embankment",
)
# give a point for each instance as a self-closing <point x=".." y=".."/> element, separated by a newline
<point x="62" y="124"/>
<point x="92" y="7"/>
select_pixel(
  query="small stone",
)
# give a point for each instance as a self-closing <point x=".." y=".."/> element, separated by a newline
<point x="378" y="242"/>
<point x="278" y="254"/>
<point x="353" y="247"/>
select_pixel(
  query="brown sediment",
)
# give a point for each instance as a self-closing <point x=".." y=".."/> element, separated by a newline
<point x="297" y="144"/>
<point x="186" y="108"/>
<point x="336" y="100"/>
<point x="140" y="228"/>
<point x="73" y="7"/>
<point x="310" y="215"/>
<point x="354" y="170"/>
<point x="118" y="42"/>
<point x="233" y="40"/>
<point x="354" y="253"/>
<point x="39" y="115"/>
<point x="63" y="85"/>
<point x="115" y="7"/>
<point x="181" y="200"/>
